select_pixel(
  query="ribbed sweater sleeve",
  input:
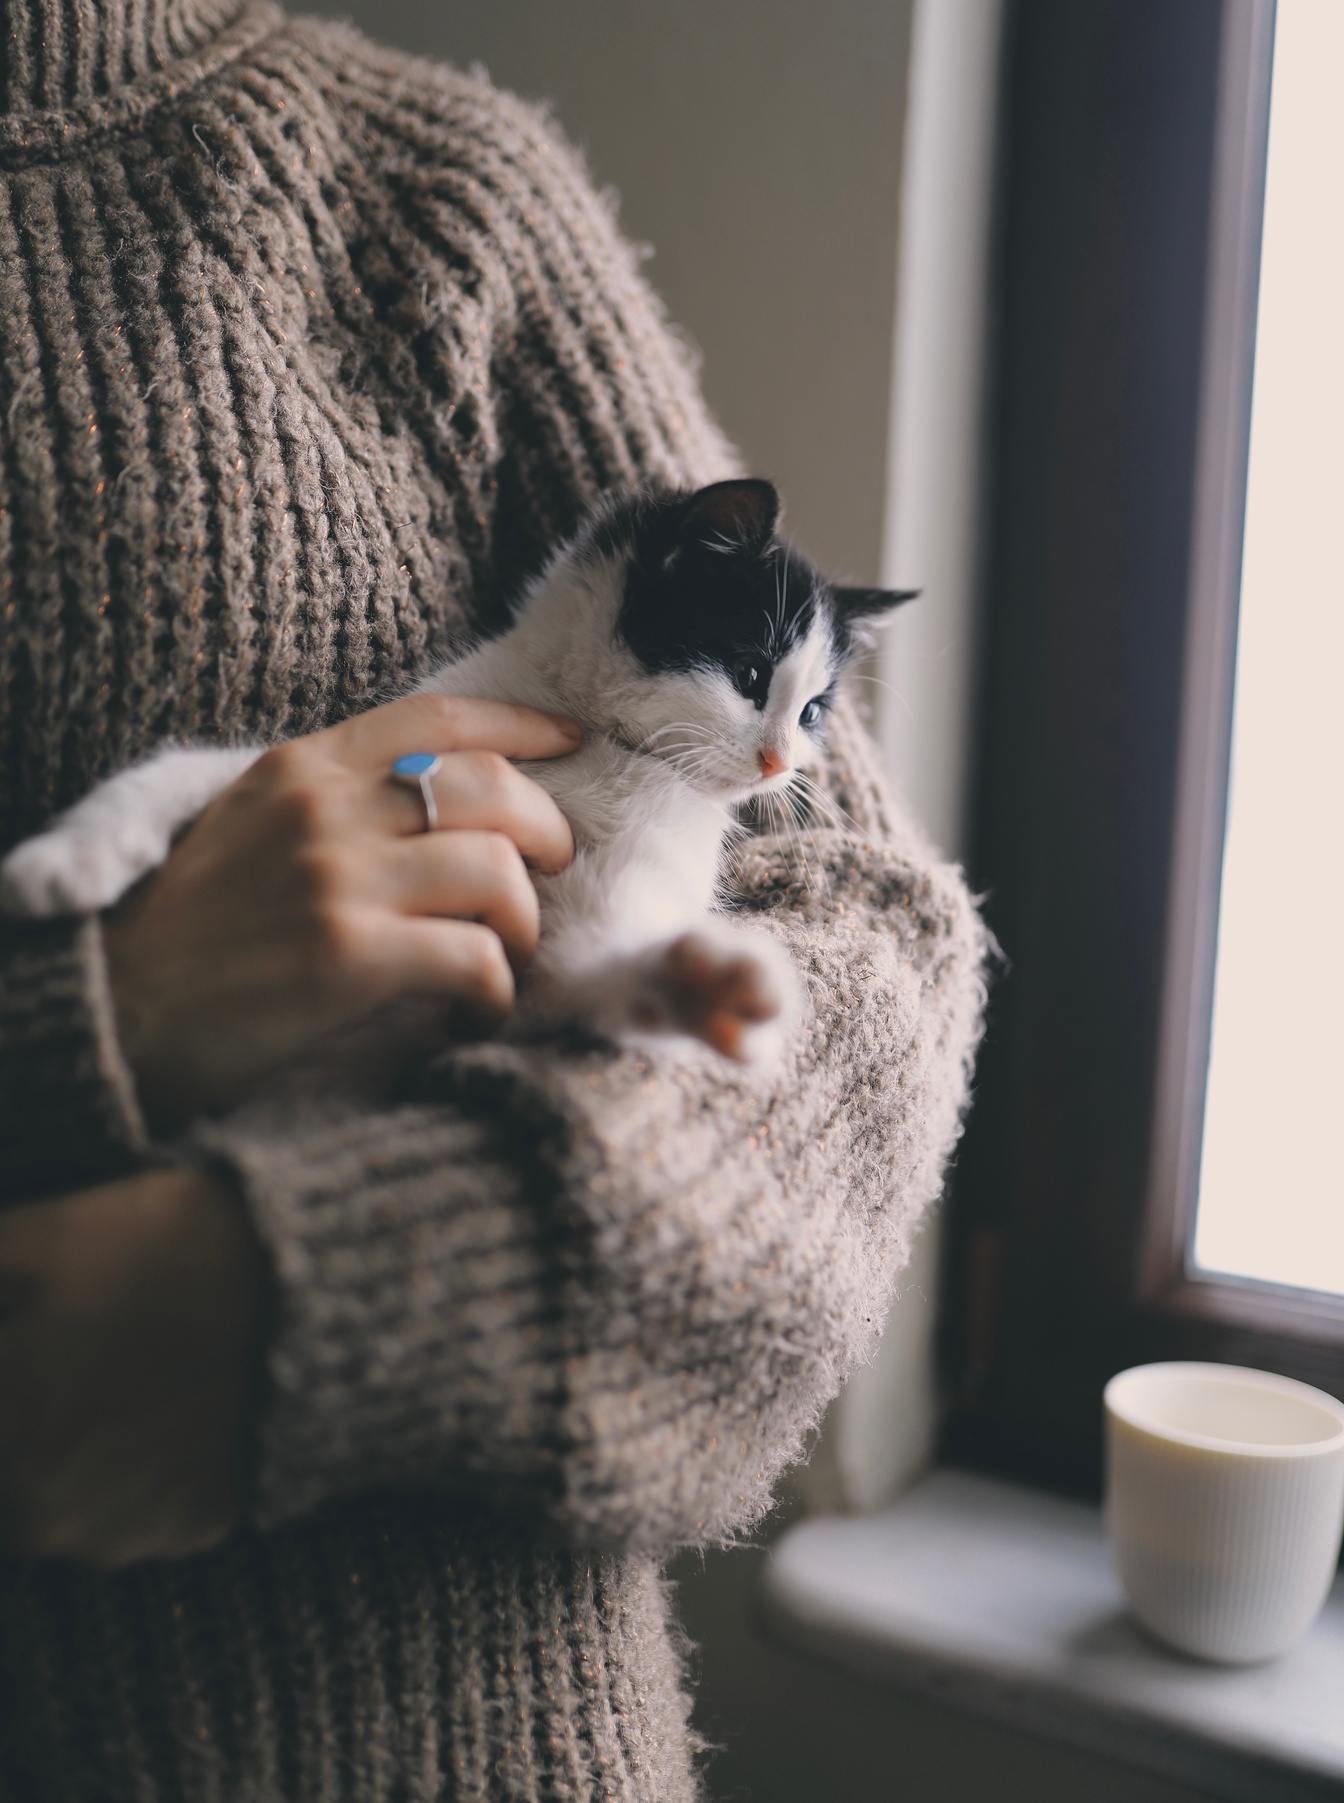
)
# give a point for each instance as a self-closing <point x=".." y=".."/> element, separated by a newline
<point x="414" y="1339"/>
<point x="68" y="1112"/>
<point x="621" y="1287"/>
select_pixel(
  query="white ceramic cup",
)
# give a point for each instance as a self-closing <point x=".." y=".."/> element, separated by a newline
<point x="1225" y="1503"/>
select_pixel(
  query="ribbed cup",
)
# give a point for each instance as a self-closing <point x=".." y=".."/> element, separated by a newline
<point x="1225" y="1503"/>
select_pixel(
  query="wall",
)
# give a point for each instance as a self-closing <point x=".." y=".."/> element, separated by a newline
<point x="886" y="1424"/>
<point x="756" y="146"/>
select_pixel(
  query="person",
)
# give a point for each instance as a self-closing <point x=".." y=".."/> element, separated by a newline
<point x="344" y="1431"/>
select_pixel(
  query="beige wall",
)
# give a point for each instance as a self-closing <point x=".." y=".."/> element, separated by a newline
<point x="756" y="147"/>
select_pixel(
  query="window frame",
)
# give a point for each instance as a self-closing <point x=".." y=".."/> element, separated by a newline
<point x="1169" y="1281"/>
<point x="1130" y="222"/>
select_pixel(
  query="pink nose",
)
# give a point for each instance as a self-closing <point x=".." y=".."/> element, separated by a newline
<point x="772" y="764"/>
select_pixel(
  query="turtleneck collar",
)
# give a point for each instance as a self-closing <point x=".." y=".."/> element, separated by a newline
<point x="56" y="54"/>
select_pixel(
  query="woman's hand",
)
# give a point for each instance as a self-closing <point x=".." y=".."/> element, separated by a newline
<point x="127" y="1362"/>
<point x="309" y="893"/>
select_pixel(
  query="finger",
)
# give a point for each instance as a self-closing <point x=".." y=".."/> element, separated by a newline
<point x="466" y="876"/>
<point x="443" y="723"/>
<point x="480" y="791"/>
<point x="459" y="961"/>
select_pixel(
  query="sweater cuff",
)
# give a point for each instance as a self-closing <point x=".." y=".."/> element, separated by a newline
<point x="414" y="1336"/>
<point x="68" y="1110"/>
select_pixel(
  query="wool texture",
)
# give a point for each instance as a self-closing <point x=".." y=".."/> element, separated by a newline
<point x="309" y="353"/>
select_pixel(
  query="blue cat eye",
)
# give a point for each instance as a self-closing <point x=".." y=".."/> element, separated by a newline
<point x="810" y="714"/>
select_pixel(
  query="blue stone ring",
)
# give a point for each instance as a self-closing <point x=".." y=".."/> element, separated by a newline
<point x="417" y="770"/>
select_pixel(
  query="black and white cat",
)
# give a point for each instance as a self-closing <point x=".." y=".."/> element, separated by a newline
<point x="700" y="653"/>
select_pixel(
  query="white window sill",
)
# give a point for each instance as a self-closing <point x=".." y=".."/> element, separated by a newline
<point x="1003" y="1601"/>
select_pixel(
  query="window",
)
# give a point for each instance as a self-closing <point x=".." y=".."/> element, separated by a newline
<point x="1131" y="226"/>
<point x="1273" y="1141"/>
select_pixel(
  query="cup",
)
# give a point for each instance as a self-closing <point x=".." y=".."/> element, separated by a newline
<point x="1225" y="1504"/>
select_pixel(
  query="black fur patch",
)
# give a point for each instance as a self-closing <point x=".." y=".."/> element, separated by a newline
<point x="710" y="583"/>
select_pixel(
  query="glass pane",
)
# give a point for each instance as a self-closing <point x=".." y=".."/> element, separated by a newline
<point x="1271" y="1202"/>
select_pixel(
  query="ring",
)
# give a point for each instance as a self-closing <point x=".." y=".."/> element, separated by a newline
<point x="417" y="770"/>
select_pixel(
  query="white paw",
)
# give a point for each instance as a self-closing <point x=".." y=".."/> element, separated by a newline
<point x="69" y="873"/>
<point x="734" y="990"/>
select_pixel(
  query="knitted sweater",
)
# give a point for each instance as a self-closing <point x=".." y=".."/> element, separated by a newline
<point x="308" y="352"/>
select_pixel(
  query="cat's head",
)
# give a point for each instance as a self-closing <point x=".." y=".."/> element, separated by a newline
<point x="733" y="642"/>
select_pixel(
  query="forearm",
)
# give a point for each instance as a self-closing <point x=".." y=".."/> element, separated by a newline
<point x="128" y="1358"/>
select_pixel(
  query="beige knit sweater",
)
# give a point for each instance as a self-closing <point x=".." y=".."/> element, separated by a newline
<point x="307" y="353"/>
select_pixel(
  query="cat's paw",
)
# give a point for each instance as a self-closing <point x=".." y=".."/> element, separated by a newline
<point x="65" y="873"/>
<point x="734" y="991"/>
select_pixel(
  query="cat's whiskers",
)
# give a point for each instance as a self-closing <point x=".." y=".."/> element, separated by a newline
<point x="692" y="755"/>
<point x="697" y="755"/>
<point x="785" y="824"/>
<point x="824" y="803"/>
<point x="693" y="737"/>
<point x="694" y="763"/>
<point x="693" y="770"/>
<point x="687" y="726"/>
<point x="816" y="806"/>
<point x="879" y="683"/>
<point x="725" y="546"/>
<point x="662" y="744"/>
<point x="814" y="871"/>
<point x="811" y="794"/>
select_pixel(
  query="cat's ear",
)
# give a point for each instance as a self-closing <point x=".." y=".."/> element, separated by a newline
<point x="739" y="513"/>
<point x="866" y="606"/>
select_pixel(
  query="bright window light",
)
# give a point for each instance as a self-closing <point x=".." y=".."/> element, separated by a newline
<point x="1271" y="1200"/>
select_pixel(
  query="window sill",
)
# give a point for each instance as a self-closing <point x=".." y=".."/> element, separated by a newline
<point x="1003" y="1601"/>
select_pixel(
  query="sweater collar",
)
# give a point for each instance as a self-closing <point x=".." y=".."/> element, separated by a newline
<point x="56" y="54"/>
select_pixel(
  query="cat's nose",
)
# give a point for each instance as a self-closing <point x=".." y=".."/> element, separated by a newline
<point x="771" y="763"/>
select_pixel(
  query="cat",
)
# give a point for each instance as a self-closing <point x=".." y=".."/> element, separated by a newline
<point x="700" y="653"/>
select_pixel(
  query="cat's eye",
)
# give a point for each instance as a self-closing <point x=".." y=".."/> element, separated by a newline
<point x="753" y="680"/>
<point x="810" y="714"/>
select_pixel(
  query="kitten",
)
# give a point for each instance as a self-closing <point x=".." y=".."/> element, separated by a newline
<point x="700" y="654"/>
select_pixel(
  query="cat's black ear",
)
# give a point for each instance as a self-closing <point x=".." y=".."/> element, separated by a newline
<point x="865" y="606"/>
<point x="738" y="513"/>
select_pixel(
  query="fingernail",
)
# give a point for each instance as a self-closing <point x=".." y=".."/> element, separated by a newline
<point x="570" y="728"/>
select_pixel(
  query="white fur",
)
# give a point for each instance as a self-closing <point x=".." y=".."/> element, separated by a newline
<point x="92" y="854"/>
<point x="632" y="939"/>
